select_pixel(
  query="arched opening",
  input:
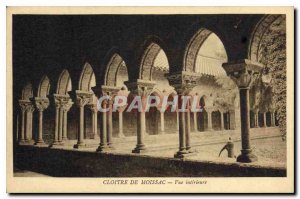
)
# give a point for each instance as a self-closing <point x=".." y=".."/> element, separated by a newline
<point x="27" y="92"/>
<point x="44" y="87"/>
<point x="252" y="119"/>
<point x="216" y="120"/>
<point x="87" y="78"/>
<point x="171" y="117"/>
<point x="153" y="119"/>
<point x="272" y="55"/>
<point x="64" y="84"/>
<point x="202" y="116"/>
<point x="205" y="54"/>
<point x="115" y="75"/>
<point x="116" y="71"/>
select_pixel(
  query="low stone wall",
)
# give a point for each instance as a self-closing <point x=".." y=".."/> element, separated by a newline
<point x="70" y="163"/>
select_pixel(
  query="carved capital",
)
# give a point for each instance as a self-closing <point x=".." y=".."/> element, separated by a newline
<point x="141" y="88"/>
<point x="183" y="81"/>
<point x="83" y="98"/>
<point x="66" y="106"/>
<point x="41" y="103"/>
<point x="26" y="105"/>
<point x="243" y="72"/>
<point x="93" y="108"/>
<point x="109" y="91"/>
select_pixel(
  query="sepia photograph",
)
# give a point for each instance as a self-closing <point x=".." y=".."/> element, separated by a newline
<point x="157" y="99"/>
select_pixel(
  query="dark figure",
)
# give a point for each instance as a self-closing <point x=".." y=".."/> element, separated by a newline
<point x="229" y="146"/>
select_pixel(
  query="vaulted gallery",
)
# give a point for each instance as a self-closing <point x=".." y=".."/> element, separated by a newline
<point x="56" y="99"/>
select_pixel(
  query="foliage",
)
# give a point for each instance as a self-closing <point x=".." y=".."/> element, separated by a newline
<point x="227" y="94"/>
<point x="273" y="56"/>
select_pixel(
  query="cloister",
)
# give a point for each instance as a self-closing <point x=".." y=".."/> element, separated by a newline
<point x="214" y="57"/>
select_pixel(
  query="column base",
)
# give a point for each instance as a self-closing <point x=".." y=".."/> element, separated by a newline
<point x="79" y="145"/>
<point x="140" y="148"/>
<point x="64" y="139"/>
<point x="55" y="144"/>
<point x="21" y="142"/>
<point x="183" y="154"/>
<point x="247" y="156"/>
<point x="40" y="143"/>
<point x="103" y="148"/>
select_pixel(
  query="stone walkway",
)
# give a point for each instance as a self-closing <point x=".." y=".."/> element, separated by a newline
<point x="266" y="142"/>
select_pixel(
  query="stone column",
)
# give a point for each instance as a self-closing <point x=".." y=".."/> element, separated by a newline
<point x="162" y="122"/>
<point x="57" y="107"/>
<point x="103" y="134"/>
<point x="121" y="133"/>
<point x="41" y="105"/>
<point x="188" y="129"/>
<point x="195" y="121"/>
<point x="183" y="82"/>
<point x="66" y="107"/>
<point x="256" y="123"/>
<point x="209" y="119"/>
<point x="272" y="118"/>
<point x="177" y="121"/>
<point x="22" y="136"/>
<point x="142" y="89"/>
<point x="28" y="133"/>
<point x="109" y="123"/>
<point x="94" y="110"/>
<point x="222" y="120"/>
<point x="243" y="73"/>
<point x="82" y="98"/>
<point x="265" y="119"/>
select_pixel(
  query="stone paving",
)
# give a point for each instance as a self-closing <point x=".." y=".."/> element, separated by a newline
<point x="266" y="142"/>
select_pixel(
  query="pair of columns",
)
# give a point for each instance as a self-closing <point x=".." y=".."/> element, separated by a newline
<point x="27" y="109"/>
<point x="41" y="104"/>
<point x="256" y="121"/>
<point x="106" y="133"/>
<point x="63" y="104"/>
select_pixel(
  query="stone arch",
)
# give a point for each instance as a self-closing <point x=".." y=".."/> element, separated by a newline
<point x="194" y="62"/>
<point x="44" y="87"/>
<point x="116" y="71"/>
<point x="27" y="92"/>
<point x="154" y="48"/>
<point x="64" y="84"/>
<point x="87" y="78"/>
<point x="258" y="35"/>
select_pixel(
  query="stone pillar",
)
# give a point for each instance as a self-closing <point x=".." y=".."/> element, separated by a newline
<point x="57" y="107"/>
<point x="82" y="98"/>
<point x="243" y="73"/>
<point x="41" y="105"/>
<point x="162" y="122"/>
<point x="103" y="134"/>
<point x="142" y="89"/>
<point x="188" y="129"/>
<point x="183" y="82"/>
<point x="222" y="120"/>
<point x="94" y="110"/>
<point x="272" y="118"/>
<point x="256" y="123"/>
<point x="28" y="133"/>
<point x="121" y="133"/>
<point x="177" y="121"/>
<point x="209" y="119"/>
<point x="23" y="110"/>
<point x="109" y="124"/>
<point x="66" y="107"/>
<point x="195" y="122"/>
<point x="265" y="119"/>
